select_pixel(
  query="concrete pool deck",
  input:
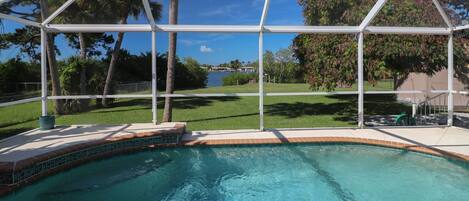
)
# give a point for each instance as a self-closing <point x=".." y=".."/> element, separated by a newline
<point x="443" y="141"/>
<point x="36" y="142"/>
<point x="437" y="139"/>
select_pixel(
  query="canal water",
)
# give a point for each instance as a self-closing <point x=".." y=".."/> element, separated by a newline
<point x="215" y="79"/>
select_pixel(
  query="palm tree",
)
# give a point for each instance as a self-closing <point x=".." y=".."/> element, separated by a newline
<point x="52" y="61"/>
<point x="84" y="12"/>
<point x="168" y="104"/>
<point x="39" y="11"/>
<point x="122" y="9"/>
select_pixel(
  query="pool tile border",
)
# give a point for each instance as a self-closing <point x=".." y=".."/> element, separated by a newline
<point x="351" y="140"/>
<point x="14" y="175"/>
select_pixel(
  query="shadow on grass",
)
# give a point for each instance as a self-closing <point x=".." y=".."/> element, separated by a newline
<point x="224" y="117"/>
<point x="4" y="133"/>
<point x="178" y="103"/>
<point x="345" y="109"/>
<point x="7" y="132"/>
<point x="17" y="122"/>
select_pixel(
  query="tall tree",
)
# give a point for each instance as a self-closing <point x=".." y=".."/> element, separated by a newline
<point x="123" y="9"/>
<point x="52" y="60"/>
<point x="287" y="64"/>
<point x="26" y="39"/>
<point x="86" y="12"/>
<point x="330" y="60"/>
<point x="36" y="11"/>
<point x="168" y="104"/>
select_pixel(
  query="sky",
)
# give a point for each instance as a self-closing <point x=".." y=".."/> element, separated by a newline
<point x="207" y="48"/>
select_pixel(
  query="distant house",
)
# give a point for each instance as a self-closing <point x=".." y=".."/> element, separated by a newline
<point x="220" y="68"/>
<point x="439" y="81"/>
<point x="247" y="69"/>
<point x="425" y="83"/>
<point x="228" y="69"/>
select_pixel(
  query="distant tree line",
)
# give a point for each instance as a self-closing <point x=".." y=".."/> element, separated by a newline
<point x="81" y="12"/>
<point x="240" y="79"/>
<point x="129" y="68"/>
<point x="279" y="67"/>
<point x="282" y="67"/>
<point x="13" y="71"/>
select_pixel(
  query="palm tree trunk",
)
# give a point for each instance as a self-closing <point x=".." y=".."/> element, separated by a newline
<point x="112" y="64"/>
<point x="81" y="39"/>
<point x="168" y="104"/>
<point x="52" y="61"/>
<point x="83" y="56"/>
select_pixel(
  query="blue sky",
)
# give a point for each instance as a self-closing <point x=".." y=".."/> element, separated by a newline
<point x="209" y="48"/>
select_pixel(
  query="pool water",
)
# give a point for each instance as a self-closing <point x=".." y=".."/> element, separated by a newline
<point x="269" y="172"/>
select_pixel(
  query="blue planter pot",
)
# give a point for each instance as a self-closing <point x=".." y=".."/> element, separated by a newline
<point x="46" y="122"/>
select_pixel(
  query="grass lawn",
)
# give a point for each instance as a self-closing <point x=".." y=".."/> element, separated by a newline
<point x="219" y="113"/>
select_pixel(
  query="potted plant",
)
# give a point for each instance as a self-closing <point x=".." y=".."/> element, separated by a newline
<point x="47" y="122"/>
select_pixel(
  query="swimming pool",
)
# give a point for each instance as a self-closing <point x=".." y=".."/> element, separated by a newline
<point x="269" y="172"/>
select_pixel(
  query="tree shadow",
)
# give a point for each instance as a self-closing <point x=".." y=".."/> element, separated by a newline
<point x="18" y="122"/>
<point x="196" y="102"/>
<point x="5" y="133"/>
<point x="345" y="109"/>
<point x="299" y="109"/>
<point x="178" y="103"/>
<point x="224" y="117"/>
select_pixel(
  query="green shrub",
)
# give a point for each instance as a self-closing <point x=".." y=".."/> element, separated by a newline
<point x="136" y="68"/>
<point x="14" y="71"/>
<point x="71" y="72"/>
<point x="239" y="78"/>
<point x="190" y="75"/>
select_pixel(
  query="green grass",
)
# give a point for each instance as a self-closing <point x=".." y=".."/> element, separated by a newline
<point x="218" y="113"/>
<point x="270" y="87"/>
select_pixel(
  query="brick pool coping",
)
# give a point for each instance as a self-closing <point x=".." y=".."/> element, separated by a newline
<point x="328" y="140"/>
<point x="14" y="175"/>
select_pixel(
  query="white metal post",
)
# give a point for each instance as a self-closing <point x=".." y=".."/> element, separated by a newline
<point x="450" y="80"/>
<point x="372" y="14"/>
<point x="154" y="106"/>
<point x="261" y="81"/>
<point x="443" y="14"/>
<point x="58" y="11"/>
<point x="43" y="73"/>
<point x="360" y="80"/>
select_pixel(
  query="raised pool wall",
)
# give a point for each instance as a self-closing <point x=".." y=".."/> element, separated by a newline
<point x="17" y="174"/>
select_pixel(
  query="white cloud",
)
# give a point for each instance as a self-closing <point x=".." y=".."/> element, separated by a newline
<point x="226" y="10"/>
<point x="205" y="49"/>
<point x="191" y="42"/>
<point x="209" y="38"/>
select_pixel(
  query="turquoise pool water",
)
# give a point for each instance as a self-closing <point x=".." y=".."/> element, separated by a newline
<point x="274" y="172"/>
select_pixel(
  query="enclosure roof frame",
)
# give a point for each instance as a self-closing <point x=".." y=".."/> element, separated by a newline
<point x="152" y="26"/>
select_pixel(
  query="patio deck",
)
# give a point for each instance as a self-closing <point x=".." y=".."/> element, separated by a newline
<point x="450" y="142"/>
<point x="438" y="139"/>
<point x="36" y="142"/>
